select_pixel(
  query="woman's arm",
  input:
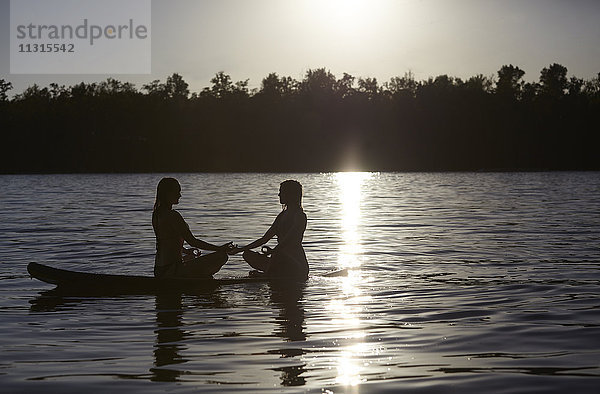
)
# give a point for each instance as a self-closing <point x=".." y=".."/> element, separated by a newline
<point x="259" y="242"/>
<point x="188" y="237"/>
<point x="200" y="244"/>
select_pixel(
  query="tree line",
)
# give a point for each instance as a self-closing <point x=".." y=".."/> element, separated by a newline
<point x="320" y="123"/>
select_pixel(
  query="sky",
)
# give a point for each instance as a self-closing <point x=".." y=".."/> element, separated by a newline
<point x="249" y="39"/>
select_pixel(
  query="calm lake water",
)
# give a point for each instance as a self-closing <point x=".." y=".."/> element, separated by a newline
<point x="457" y="282"/>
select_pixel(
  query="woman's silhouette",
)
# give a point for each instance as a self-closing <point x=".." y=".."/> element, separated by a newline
<point x="287" y="259"/>
<point x="171" y="230"/>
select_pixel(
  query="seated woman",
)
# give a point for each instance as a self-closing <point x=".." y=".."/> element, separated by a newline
<point x="171" y="230"/>
<point x="287" y="259"/>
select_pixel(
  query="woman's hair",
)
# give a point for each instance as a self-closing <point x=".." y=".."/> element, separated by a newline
<point x="165" y="188"/>
<point x="293" y="192"/>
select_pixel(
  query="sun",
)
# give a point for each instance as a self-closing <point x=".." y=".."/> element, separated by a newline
<point x="347" y="14"/>
<point x="342" y="16"/>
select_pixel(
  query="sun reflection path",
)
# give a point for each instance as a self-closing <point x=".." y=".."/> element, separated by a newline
<point x="350" y="184"/>
<point x="347" y="305"/>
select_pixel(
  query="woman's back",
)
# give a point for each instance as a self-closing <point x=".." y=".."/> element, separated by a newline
<point x="168" y="227"/>
<point x="290" y="225"/>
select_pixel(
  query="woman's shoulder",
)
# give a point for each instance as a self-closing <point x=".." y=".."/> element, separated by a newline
<point x="167" y="214"/>
<point x="176" y="214"/>
<point x="177" y="218"/>
<point x="279" y="217"/>
<point x="297" y="214"/>
<point x="291" y="214"/>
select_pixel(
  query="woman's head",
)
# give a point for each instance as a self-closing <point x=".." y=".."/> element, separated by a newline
<point x="168" y="193"/>
<point x="290" y="193"/>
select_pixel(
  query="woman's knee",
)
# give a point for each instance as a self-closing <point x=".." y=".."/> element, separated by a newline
<point x="249" y="255"/>
<point x="221" y="256"/>
<point x="213" y="258"/>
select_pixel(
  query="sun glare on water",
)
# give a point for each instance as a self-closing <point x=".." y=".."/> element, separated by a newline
<point x="350" y="184"/>
<point x="346" y="306"/>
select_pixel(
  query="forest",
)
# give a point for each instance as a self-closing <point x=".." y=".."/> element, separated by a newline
<point x="320" y="123"/>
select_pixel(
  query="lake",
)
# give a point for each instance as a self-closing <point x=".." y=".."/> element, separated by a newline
<point x="458" y="282"/>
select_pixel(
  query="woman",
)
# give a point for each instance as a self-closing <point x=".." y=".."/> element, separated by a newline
<point x="171" y="230"/>
<point x="287" y="259"/>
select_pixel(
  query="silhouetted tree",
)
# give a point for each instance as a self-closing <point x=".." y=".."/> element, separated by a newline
<point x="317" y="124"/>
<point x="58" y="91"/>
<point x="223" y="87"/>
<point x="176" y="87"/>
<point x="530" y="91"/>
<point x="34" y="92"/>
<point x="592" y="87"/>
<point x="319" y="82"/>
<point x="575" y="86"/>
<point x="156" y="89"/>
<point x="553" y="81"/>
<point x="5" y="87"/>
<point x="368" y="87"/>
<point x="479" y="83"/>
<point x="345" y="86"/>
<point x="114" y="87"/>
<point x="274" y="87"/>
<point x="510" y="83"/>
<point x="271" y="86"/>
<point x="403" y="86"/>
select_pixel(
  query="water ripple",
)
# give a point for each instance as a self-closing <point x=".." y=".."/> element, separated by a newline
<point x="454" y="280"/>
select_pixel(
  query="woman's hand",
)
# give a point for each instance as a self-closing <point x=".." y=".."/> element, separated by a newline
<point x="235" y="250"/>
<point x="267" y="251"/>
<point x="226" y="247"/>
<point x="191" y="251"/>
<point x="190" y="254"/>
